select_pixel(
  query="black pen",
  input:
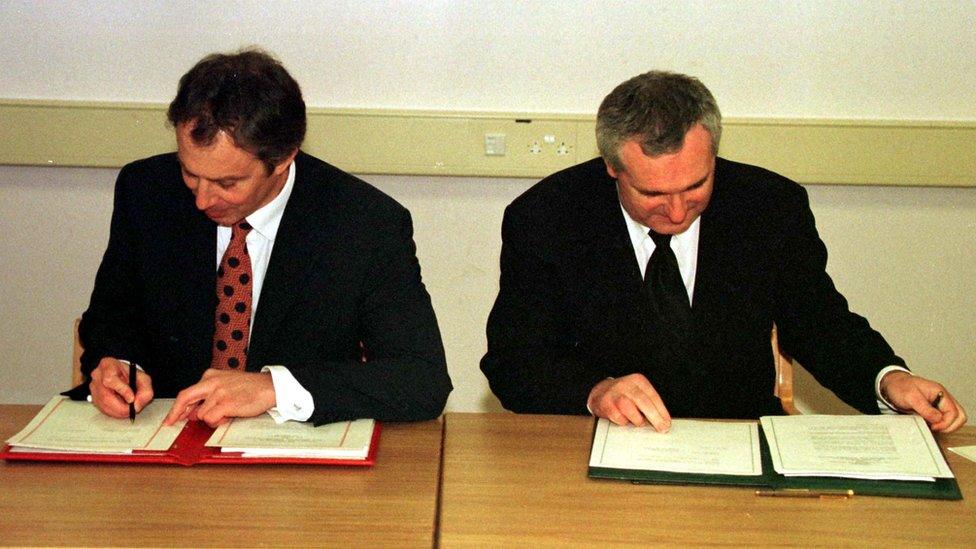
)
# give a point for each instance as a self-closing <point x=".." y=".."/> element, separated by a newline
<point x="937" y="401"/>
<point x="132" y="385"/>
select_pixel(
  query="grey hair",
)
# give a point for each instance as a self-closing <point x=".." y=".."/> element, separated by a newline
<point x="657" y="108"/>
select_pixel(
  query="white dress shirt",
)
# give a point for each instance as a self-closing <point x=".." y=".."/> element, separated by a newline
<point x="685" y="247"/>
<point x="293" y="402"/>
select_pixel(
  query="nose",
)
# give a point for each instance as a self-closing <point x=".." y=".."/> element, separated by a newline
<point x="204" y="195"/>
<point x="677" y="209"/>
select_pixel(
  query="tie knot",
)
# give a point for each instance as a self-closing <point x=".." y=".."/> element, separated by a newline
<point x="240" y="228"/>
<point x="659" y="239"/>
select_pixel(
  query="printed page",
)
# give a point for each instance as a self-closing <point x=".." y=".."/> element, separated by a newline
<point x="968" y="452"/>
<point x="868" y="447"/>
<point x="262" y="437"/>
<point x="692" y="446"/>
<point x="65" y="425"/>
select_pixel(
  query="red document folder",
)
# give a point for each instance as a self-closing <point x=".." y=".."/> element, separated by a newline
<point x="190" y="449"/>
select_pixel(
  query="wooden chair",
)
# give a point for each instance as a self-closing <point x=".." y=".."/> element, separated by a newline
<point x="76" y="377"/>
<point x="783" y="388"/>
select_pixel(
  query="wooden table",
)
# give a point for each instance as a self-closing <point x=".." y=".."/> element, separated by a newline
<point x="521" y="481"/>
<point x="392" y="503"/>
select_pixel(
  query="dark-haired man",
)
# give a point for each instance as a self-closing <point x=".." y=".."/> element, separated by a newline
<point x="644" y="284"/>
<point x="244" y="276"/>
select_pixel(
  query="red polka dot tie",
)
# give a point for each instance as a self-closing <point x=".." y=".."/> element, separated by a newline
<point x="232" y="322"/>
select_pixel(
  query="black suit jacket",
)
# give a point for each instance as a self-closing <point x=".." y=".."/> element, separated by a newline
<point x="343" y="270"/>
<point x="570" y="309"/>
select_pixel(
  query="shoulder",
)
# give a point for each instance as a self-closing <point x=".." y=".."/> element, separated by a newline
<point x="745" y="182"/>
<point x="751" y="189"/>
<point x="152" y="168"/>
<point x="343" y="196"/>
<point x="152" y="181"/>
<point x="353" y="194"/>
<point x="559" y="201"/>
<point x="565" y="186"/>
<point x="749" y="200"/>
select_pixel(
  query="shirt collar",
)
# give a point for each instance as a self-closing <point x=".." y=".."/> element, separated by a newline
<point x="266" y="219"/>
<point x="681" y="241"/>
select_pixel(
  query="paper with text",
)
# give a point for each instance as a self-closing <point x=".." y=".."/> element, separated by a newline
<point x="77" y="426"/>
<point x="691" y="446"/>
<point x="868" y="447"/>
<point x="968" y="452"/>
<point x="262" y="437"/>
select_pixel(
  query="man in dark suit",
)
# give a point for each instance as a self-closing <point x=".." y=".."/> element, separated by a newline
<point x="645" y="284"/>
<point x="243" y="275"/>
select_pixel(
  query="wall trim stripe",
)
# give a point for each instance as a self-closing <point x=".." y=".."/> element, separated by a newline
<point x="375" y="141"/>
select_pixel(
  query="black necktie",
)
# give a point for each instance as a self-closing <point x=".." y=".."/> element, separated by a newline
<point x="665" y="289"/>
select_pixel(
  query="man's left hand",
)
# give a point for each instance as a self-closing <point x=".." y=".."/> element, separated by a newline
<point x="223" y="394"/>
<point x="913" y="394"/>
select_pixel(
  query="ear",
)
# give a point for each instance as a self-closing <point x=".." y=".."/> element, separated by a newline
<point x="612" y="172"/>
<point x="283" y="166"/>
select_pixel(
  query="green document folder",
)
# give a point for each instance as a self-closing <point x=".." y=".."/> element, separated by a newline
<point x="942" y="488"/>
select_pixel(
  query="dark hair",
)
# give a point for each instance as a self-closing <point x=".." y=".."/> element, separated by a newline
<point x="247" y="94"/>
<point x="657" y="108"/>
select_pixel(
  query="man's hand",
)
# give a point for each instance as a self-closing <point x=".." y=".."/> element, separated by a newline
<point x="629" y="399"/>
<point x="110" y="390"/>
<point x="223" y="394"/>
<point x="910" y="393"/>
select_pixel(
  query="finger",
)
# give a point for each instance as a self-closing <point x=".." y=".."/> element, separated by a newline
<point x="177" y="414"/>
<point x="187" y="397"/>
<point x="108" y="402"/>
<point x="956" y="423"/>
<point x="215" y="415"/>
<point x="915" y="401"/>
<point x="173" y="415"/>
<point x="630" y="411"/>
<point x="955" y="417"/>
<point x="651" y="405"/>
<point x="119" y="385"/>
<point x="210" y="372"/>
<point x="206" y="407"/>
<point x="144" y="390"/>
<point x="615" y="415"/>
<point x="113" y="377"/>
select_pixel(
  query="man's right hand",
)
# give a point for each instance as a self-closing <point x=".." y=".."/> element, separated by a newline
<point x="629" y="400"/>
<point x="110" y="390"/>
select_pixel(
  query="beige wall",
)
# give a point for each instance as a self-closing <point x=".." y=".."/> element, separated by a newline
<point x="905" y="258"/>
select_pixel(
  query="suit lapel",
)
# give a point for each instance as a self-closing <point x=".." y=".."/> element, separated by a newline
<point x="615" y="313"/>
<point x="717" y="262"/>
<point x="609" y="247"/>
<point x="298" y="244"/>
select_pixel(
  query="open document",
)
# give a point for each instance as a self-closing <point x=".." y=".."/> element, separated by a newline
<point x="691" y="446"/>
<point x="262" y="437"/>
<point x="64" y="425"/>
<point x="66" y="430"/>
<point x="865" y="447"/>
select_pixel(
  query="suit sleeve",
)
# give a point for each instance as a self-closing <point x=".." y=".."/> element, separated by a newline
<point x="533" y="363"/>
<point x="112" y="324"/>
<point x="405" y="377"/>
<point x="815" y="323"/>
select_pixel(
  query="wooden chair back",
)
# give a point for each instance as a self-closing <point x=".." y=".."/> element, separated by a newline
<point x="76" y="377"/>
<point x="783" y="388"/>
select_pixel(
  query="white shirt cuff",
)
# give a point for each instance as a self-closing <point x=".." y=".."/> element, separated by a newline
<point x="293" y="402"/>
<point x="883" y="405"/>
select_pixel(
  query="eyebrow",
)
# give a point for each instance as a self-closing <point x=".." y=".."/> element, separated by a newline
<point x="691" y="187"/>
<point x="229" y="179"/>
